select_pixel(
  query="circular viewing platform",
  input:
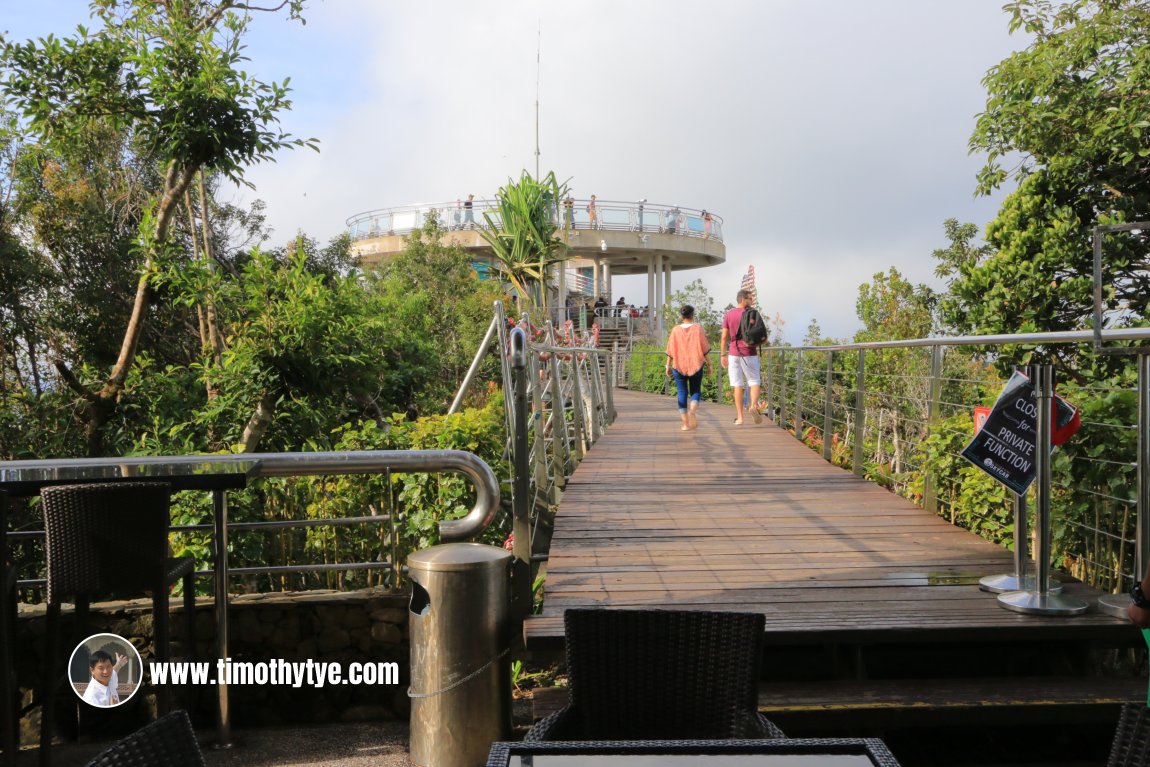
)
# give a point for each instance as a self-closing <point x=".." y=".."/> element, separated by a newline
<point x="628" y="237"/>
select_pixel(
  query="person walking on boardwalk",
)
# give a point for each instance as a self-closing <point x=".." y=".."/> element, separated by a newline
<point x="687" y="349"/>
<point x="740" y="359"/>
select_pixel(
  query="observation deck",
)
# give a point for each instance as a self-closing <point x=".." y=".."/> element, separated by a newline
<point x="623" y="238"/>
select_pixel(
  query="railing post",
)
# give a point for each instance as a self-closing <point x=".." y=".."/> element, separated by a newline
<point x="521" y="481"/>
<point x="719" y="378"/>
<point x="610" y="388"/>
<point x="577" y="407"/>
<point x="828" y="404"/>
<point x="1042" y="601"/>
<point x="480" y="355"/>
<point x="596" y="402"/>
<point x="929" y="491"/>
<point x="798" y="419"/>
<point x="539" y="440"/>
<point x="782" y="388"/>
<point x="859" y="414"/>
<point x="559" y="434"/>
<point x="1116" y="604"/>
<point x="770" y="364"/>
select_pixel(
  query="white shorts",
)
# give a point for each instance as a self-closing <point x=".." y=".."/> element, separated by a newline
<point x="743" y="371"/>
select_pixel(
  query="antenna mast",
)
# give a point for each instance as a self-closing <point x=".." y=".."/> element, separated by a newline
<point x="538" y="48"/>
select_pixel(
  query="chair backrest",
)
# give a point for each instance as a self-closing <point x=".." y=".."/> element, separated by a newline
<point x="655" y="674"/>
<point x="105" y="538"/>
<point x="1131" y="746"/>
<point x="167" y="742"/>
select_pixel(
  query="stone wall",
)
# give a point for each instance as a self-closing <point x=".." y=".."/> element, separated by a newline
<point x="366" y="626"/>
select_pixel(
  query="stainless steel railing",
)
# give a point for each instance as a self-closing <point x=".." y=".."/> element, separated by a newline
<point x="610" y="215"/>
<point x="478" y="518"/>
<point x="898" y="412"/>
<point x="558" y="402"/>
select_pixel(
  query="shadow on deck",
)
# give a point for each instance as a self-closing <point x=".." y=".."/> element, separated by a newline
<point x="874" y="618"/>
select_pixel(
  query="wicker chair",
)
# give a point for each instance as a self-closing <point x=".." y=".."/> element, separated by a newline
<point x="1131" y="747"/>
<point x="167" y="742"/>
<point x="101" y="540"/>
<point x="659" y="675"/>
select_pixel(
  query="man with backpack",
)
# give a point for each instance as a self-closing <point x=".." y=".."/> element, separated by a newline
<point x="743" y="332"/>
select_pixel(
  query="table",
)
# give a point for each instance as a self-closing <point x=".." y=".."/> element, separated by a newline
<point x="792" y="752"/>
<point x="27" y="478"/>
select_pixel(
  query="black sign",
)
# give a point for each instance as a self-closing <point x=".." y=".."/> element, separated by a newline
<point x="1005" y="446"/>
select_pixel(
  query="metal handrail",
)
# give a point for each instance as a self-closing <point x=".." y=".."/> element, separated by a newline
<point x="612" y="215"/>
<point x="478" y="518"/>
<point x="1024" y="339"/>
<point x="785" y="393"/>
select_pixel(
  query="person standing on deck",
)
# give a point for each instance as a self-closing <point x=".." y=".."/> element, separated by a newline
<point x="740" y="359"/>
<point x="687" y="350"/>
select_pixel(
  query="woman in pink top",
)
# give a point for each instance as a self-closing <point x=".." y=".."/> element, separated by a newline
<point x="687" y="349"/>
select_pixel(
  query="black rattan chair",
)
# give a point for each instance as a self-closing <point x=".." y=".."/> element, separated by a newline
<point x="167" y="742"/>
<point x="660" y="675"/>
<point x="1131" y="747"/>
<point x="102" y="540"/>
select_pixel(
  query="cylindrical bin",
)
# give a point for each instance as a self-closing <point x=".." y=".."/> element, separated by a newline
<point x="460" y="617"/>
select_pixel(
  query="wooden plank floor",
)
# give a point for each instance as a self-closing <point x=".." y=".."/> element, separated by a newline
<point x="747" y="518"/>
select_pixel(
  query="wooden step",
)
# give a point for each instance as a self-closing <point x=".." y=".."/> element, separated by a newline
<point x="892" y="699"/>
<point x="897" y="695"/>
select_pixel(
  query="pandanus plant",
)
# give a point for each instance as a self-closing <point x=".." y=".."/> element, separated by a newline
<point x="522" y="235"/>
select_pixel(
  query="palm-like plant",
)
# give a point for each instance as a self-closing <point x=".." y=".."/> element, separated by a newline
<point x="523" y="242"/>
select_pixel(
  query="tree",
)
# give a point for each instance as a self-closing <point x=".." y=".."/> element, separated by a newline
<point x="455" y="310"/>
<point x="166" y="73"/>
<point x="1076" y="108"/>
<point x="523" y="240"/>
<point x="892" y="308"/>
<point x="695" y="294"/>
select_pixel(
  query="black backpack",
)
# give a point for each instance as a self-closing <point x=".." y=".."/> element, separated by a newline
<point x="752" y="329"/>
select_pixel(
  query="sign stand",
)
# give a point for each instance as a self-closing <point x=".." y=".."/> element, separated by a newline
<point x="1041" y="601"/>
<point x="1018" y="580"/>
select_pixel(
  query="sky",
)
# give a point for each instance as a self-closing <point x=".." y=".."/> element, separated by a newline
<point x="830" y="135"/>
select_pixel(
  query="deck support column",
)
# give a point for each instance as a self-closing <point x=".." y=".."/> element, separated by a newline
<point x="651" y="294"/>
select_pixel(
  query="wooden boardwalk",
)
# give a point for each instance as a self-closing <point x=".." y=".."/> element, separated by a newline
<point x="747" y="518"/>
<point x="874" y="620"/>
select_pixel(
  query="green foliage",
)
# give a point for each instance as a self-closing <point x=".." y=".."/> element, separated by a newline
<point x="695" y="294"/>
<point x="164" y="79"/>
<point x="443" y="305"/>
<point x="1073" y="105"/>
<point x="410" y="506"/>
<point x="1074" y="101"/>
<point x="523" y="237"/>
<point x="968" y="496"/>
<point x="171" y="75"/>
<point x="646" y="366"/>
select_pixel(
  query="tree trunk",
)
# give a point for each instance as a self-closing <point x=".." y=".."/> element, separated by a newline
<point x="258" y="424"/>
<point x="102" y="404"/>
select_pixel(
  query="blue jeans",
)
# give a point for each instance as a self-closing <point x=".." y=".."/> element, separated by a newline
<point x="688" y="386"/>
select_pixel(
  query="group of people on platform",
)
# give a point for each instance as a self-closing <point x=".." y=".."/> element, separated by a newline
<point x="687" y="363"/>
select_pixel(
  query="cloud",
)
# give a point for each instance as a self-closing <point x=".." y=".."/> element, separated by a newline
<point x="830" y="135"/>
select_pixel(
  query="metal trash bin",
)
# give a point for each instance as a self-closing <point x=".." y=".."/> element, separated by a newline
<point x="460" y="620"/>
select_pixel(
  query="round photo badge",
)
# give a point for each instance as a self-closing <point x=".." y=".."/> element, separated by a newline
<point x="105" y="670"/>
